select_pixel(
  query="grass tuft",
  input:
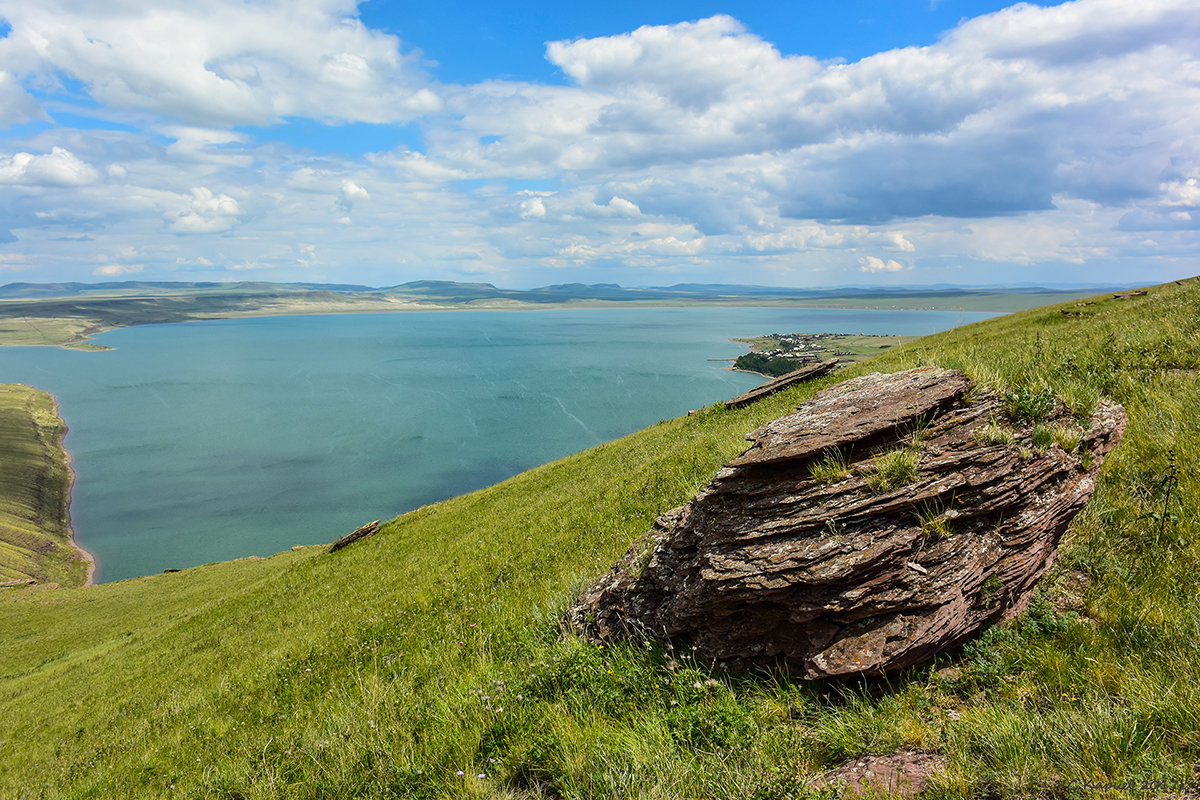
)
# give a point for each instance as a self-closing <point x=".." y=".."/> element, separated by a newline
<point x="832" y="467"/>
<point x="994" y="433"/>
<point x="1067" y="437"/>
<point x="894" y="469"/>
<point x="1042" y="437"/>
<point x="1027" y="405"/>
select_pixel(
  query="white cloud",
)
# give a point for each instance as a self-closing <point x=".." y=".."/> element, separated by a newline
<point x="349" y="193"/>
<point x="1182" y="193"/>
<point x="17" y="105"/>
<point x="1033" y="136"/>
<point x="206" y="212"/>
<point x="221" y="62"/>
<point x="111" y="270"/>
<point x="621" y="207"/>
<point x="59" y="167"/>
<point x="533" y="208"/>
<point x="873" y="264"/>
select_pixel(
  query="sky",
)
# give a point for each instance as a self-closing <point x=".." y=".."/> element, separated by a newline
<point x="864" y="142"/>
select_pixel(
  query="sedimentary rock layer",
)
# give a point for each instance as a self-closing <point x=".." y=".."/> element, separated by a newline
<point x="817" y="547"/>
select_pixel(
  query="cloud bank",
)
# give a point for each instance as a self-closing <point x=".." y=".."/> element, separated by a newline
<point x="1032" y="144"/>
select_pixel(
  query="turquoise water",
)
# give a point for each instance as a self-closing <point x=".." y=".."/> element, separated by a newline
<point x="214" y="440"/>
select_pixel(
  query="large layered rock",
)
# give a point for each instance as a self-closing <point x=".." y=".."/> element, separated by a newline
<point x="865" y="570"/>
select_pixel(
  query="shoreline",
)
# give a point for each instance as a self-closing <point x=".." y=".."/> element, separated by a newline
<point x="85" y="555"/>
<point x="75" y="332"/>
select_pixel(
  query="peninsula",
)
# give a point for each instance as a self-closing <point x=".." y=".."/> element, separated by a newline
<point x="777" y="354"/>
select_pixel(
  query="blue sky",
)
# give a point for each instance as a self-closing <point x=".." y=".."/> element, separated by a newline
<point x="649" y="143"/>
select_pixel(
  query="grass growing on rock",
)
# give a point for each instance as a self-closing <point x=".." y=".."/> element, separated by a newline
<point x="428" y="661"/>
<point x="894" y="469"/>
<point x="832" y="467"/>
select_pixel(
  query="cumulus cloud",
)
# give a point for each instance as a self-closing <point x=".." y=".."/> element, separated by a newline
<point x="348" y="194"/>
<point x="223" y="62"/>
<point x="1182" y="193"/>
<point x="206" y="212"/>
<point x="111" y="270"/>
<point x="692" y="65"/>
<point x="1062" y="135"/>
<point x="533" y="208"/>
<point x="976" y="125"/>
<point x="873" y="264"/>
<point x="59" y="168"/>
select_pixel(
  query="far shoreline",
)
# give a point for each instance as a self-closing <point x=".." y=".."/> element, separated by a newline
<point x="70" y="322"/>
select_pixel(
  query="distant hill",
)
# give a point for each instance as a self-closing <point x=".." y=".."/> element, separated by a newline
<point x="466" y="292"/>
<point x="68" y="313"/>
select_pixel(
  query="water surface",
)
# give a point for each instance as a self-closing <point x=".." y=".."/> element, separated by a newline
<point x="206" y="441"/>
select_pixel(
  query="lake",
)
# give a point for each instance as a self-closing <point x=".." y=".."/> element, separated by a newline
<point x="208" y="441"/>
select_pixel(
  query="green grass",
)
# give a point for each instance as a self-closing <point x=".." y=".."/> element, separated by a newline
<point x="995" y="433"/>
<point x="35" y="484"/>
<point x="435" y="647"/>
<point x="1067" y="437"/>
<point x="894" y="469"/>
<point x="832" y="467"/>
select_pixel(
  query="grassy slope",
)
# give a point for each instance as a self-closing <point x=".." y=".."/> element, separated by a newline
<point x="434" y="647"/>
<point x="35" y="484"/>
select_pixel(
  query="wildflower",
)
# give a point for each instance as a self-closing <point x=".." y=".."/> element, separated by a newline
<point x="481" y="775"/>
<point x="460" y="773"/>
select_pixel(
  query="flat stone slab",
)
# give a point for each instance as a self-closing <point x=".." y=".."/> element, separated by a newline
<point x="808" y="373"/>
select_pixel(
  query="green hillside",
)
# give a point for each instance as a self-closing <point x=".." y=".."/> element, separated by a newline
<point x="35" y="485"/>
<point x="434" y="648"/>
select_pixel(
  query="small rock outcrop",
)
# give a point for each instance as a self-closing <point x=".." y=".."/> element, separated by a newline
<point x="806" y="373"/>
<point x="370" y="529"/>
<point x="904" y="773"/>
<point x="887" y="519"/>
